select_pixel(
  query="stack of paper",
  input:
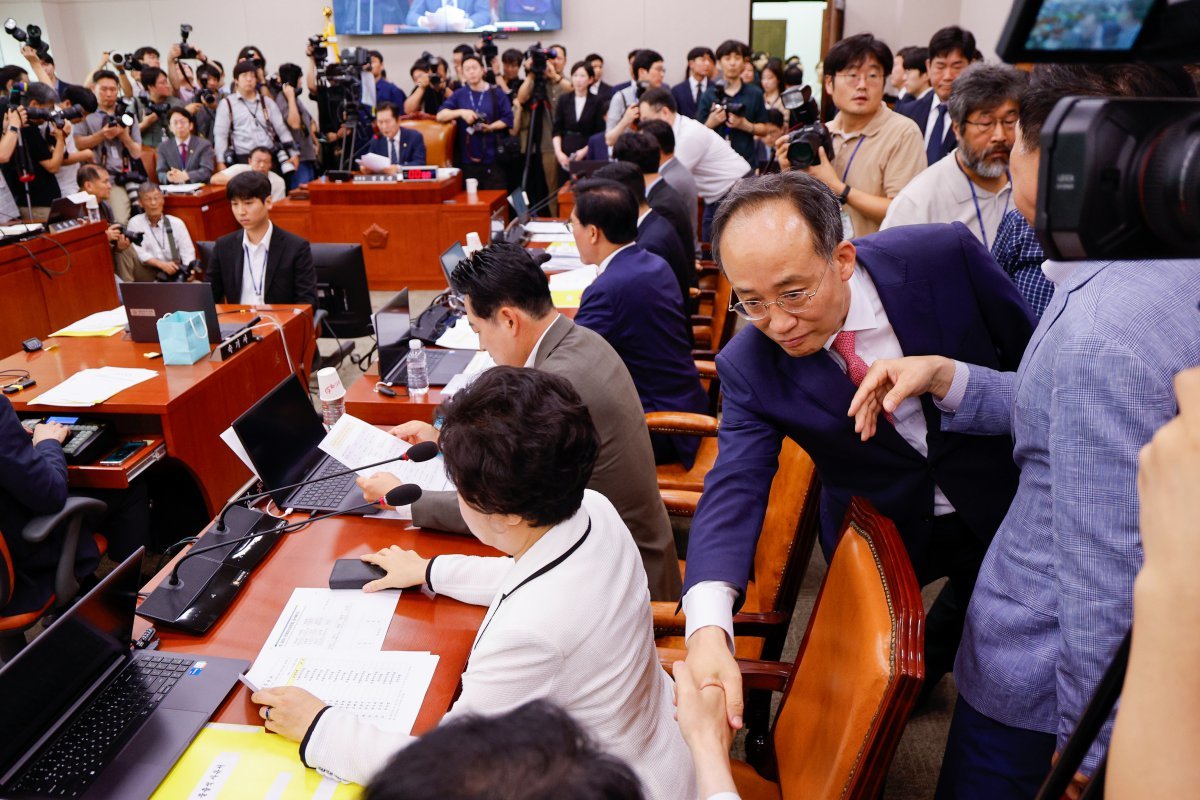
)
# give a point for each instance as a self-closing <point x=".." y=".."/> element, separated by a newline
<point x="374" y="162"/>
<point x="566" y="288"/>
<point x="102" y="323"/>
<point x="91" y="386"/>
<point x="459" y="336"/>
<point x="21" y="229"/>
<point x="352" y="441"/>
<point x="480" y="364"/>
<point x="550" y="226"/>
<point x="181" y="188"/>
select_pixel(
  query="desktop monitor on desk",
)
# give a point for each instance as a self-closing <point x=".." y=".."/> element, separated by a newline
<point x="342" y="289"/>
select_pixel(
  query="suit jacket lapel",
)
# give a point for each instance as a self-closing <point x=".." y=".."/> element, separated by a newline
<point x="274" y="258"/>
<point x="234" y="294"/>
<point x="558" y="331"/>
<point x="908" y="303"/>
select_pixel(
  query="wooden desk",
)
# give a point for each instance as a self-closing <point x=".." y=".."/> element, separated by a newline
<point x="34" y="304"/>
<point x="364" y="402"/>
<point x="206" y="213"/>
<point x="403" y="227"/>
<point x="187" y="406"/>
<point x="304" y="559"/>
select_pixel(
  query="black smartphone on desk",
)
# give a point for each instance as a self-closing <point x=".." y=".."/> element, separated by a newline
<point x="122" y="454"/>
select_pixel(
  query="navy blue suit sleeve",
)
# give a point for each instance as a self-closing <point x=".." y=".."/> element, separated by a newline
<point x="36" y="476"/>
<point x="729" y="518"/>
<point x="1007" y="316"/>
<point x="416" y="154"/>
<point x="598" y="313"/>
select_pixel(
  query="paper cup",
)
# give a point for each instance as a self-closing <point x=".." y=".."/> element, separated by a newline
<point x="330" y="384"/>
<point x="472" y="187"/>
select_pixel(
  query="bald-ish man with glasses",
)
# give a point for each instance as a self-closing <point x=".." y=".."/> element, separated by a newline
<point x="972" y="184"/>
<point x="821" y="310"/>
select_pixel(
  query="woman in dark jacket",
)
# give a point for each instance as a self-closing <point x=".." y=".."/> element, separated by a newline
<point x="577" y="116"/>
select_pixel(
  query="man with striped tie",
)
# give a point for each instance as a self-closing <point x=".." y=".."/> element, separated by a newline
<point x="400" y="146"/>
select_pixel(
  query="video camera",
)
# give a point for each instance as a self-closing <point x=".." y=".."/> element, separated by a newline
<point x="487" y="49"/>
<point x="538" y="57"/>
<point x="58" y="117"/>
<point x="808" y="135"/>
<point x="1119" y="178"/>
<point x="30" y="37"/>
<point x="185" y="49"/>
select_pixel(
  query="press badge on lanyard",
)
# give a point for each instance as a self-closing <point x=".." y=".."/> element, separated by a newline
<point x="847" y="223"/>
<point x="257" y="285"/>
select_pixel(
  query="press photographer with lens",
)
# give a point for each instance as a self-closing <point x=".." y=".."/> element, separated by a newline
<point x="112" y="134"/>
<point x="247" y="120"/>
<point x="97" y="182"/>
<point x="156" y="107"/>
<point x="734" y="109"/>
<point x="285" y="87"/>
<point x="482" y="112"/>
<point x="162" y="242"/>
<point x="429" y="86"/>
<point x="537" y="97"/>
<point x="40" y="150"/>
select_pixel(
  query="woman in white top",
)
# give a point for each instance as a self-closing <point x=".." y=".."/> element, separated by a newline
<point x="568" y="614"/>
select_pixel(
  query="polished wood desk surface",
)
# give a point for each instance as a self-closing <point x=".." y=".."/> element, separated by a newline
<point x="206" y="212"/>
<point x="326" y="192"/>
<point x="305" y="558"/>
<point x="80" y="282"/>
<point x="187" y="406"/>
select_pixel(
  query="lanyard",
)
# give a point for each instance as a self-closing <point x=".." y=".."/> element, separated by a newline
<point x="257" y="285"/>
<point x="975" y="199"/>
<point x="537" y="574"/>
<point x="846" y="173"/>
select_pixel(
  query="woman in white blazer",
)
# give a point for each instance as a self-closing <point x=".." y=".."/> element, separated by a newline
<point x="568" y="614"/>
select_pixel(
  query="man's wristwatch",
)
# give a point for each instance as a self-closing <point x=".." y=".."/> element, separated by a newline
<point x="844" y="197"/>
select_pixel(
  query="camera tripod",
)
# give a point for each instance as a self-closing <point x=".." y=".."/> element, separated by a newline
<point x="539" y="106"/>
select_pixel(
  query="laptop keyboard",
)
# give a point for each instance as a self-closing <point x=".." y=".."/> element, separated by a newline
<point x="327" y="493"/>
<point x="76" y="757"/>
<point x="432" y="359"/>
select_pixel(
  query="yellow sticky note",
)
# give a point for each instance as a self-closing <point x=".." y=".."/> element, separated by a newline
<point x="236" y="762"/>
<point x="566" y="298"/>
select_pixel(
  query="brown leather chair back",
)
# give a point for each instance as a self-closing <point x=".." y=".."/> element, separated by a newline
<point x="722" y="318"/>
<point x="789" y="531"/>
<point x="150" y="162"/>
<point x="858" y="670"/>
<point x="439" y="139"/>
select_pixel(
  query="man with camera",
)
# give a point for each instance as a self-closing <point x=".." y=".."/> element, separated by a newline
<point x="649" y="73"/>
<point x="160" y="99"/>
<point x="482" y="112"/>
<point x="429" y="86"/>
<point x="876" y="152"/>
<point x="96" y="181"/>
<point x="113" y="135"/>
<point x="300" y="122"/>
<point x="971" y="185"/>
<point x="537" y="98"/>
<point x="737" y="109"/>
<point x="162" y="242"/>
<point x="13" y="121"/>
<point x="246" y="120"/>
<point x="31" y="171"/>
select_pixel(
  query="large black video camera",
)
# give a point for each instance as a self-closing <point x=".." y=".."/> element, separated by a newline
<point x="30" y="37"/>
<point x="1119" y="178"/>
<point x="487" y="49"/>
<point x="808" y="135"/>
<point x="185" y="49"/>
<point x="538" y="57"/>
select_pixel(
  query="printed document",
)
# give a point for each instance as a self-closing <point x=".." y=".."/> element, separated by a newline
<point x="91" y="386"/>
<point x="352" y="441"/>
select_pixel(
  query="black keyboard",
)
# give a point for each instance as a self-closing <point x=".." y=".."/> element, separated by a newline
<point x="432" y="359"/>
<point x="75" y="758"/>
<point x="327" y="493"/>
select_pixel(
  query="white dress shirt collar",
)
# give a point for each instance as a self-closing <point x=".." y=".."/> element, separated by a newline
<point x="642" y="217"/>
<point x="265" y="242"/>
<point x="693" y="83"/>
<point x="860" y="317"/>
<point x="604" y="264"/>
<point x="533" y="354"/>
<point x="1059" y="272"/>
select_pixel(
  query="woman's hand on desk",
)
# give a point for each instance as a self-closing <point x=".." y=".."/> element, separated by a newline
<point x="415" y="432"/>
<point x="377" y="485"/>
<point x="288" y="710"/>
<point x="404" y="568"/>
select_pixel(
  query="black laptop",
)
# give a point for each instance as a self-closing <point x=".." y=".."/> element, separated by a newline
<point x="84" y="714"/>
<point x="282" y="433"/>
<point x="393" y="328"/>
<point x="146" y="303"/>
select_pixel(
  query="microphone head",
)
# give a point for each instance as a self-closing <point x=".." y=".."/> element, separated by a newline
<point x="541" y="258"/>
<point x="422" y="451"/>
<point x="403" y="495"/>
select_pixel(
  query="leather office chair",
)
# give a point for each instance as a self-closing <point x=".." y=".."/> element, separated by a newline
<point x="712" y="331"/>
<point x="439" y="139"/>
<point x="150" y="162"/>
<point x="856" y="677"/>
<point x="74" y="514"/>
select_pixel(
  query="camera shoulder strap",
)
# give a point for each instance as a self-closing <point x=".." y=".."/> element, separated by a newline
<point x="171" y="239"/>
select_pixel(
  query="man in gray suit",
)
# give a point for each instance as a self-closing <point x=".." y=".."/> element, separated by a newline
<point x="184" y="157"/>
<point x="508" y="303"/>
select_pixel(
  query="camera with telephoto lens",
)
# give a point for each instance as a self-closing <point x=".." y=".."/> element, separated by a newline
<point x="274" y="84"/>
<point x="808" y="135"/>
<point x="135" y="238"/>
<point x="57" y="117"/>
<point x="30" y="37"/>
<point x="121" y="120"/>
<point x="538" y="57"/>
<point x="206" y="96"/>
<point x="185" y="49"/>
<point x="124" y="61"/>
<point x="282" y="154"/>
<point x="181" y="275"/>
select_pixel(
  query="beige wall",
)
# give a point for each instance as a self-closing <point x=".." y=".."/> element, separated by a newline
<point x="901" y="23"/>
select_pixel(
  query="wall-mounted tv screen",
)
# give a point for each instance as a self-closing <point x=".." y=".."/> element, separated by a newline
<point x="366" y="17"/>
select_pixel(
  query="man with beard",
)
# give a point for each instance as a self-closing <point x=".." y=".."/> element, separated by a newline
<point x="971" y="186"/>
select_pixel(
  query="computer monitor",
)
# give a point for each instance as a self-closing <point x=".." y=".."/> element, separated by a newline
<point x="454" y="254"/>
<point x="342" y="289"/>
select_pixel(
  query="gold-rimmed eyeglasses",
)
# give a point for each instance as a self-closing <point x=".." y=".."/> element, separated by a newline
<point x="792" y="302"/>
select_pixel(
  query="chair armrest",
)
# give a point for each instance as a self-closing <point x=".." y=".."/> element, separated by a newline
<point x="667" y="621"/>
<point x="38" y="528"/>
<point x="706" y="368"/>
<point x="702" y="319"/>
<point x="319" y="316"/>
<point x="680" y="502"/>
<point x="683" y="423"/>
<point x="762" y="623"/>
<point x="707" y="268"/>
<point x="693" y="292"/>
<point x="700" y="354"/>
<point x="770" y="675"/>
<point x="702" y="334"/>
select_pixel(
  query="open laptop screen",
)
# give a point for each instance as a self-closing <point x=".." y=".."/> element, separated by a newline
<point x="281" y="433"/>
<point x="58" y="667"/>
<point x="450" y="259"/>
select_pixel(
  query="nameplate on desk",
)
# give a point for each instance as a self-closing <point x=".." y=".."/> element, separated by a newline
<point x="375" y="179"/>
<point x="235" y="343"/>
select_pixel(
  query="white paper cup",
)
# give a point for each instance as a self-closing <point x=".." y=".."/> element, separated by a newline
<point x="472" y="187"/>
<point x="330" y="384"/>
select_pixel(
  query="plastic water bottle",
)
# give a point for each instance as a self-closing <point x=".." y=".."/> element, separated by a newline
<point x="93" y="209"/>
<point x="332" y="411"/>
<point x="418" y="373"/>
<point x="332" y="394"/>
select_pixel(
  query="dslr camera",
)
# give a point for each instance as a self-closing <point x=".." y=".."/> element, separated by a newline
<point x="57" y="117"/>
<point x="161" y="109"/>
<point x="282" y="154"/>
<point x="135" y="238"/>
<point x="124" y="61"/>
<point x="428" y="61"/>
<point x="184" y="273"/>
<point x="185" y="49"/>
<point x="120" y="119"/>
<point x="808" y="135"/>
<point x="488" y="50"/>
<point x="721" y="100"/>
<point x="477" y="128"/>
<point x="31" y="37"/>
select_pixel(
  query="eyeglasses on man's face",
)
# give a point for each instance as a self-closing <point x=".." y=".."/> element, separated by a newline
<point x="795" y="303"/>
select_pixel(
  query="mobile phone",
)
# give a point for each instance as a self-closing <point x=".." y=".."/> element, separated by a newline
<point x="121" y="454"/>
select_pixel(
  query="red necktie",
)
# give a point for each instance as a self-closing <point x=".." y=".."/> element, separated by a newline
<point x="183" y="154"/>
<point x="856" y="368"/>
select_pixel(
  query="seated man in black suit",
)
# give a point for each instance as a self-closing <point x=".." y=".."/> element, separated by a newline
<point x="184" y="157"/>
<point x="262" y="264"/>
<point x="642" y="150"/>
<point x="399" y="145"/>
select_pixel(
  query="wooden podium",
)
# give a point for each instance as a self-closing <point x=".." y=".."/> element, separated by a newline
<point x="206" y="213"/>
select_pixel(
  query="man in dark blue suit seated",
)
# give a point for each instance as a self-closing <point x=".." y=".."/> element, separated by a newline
<point x="635" y="305"/>
<point x="399" y="145"/>
<point x="822" y="309"/>
<point x="598" y="149"/>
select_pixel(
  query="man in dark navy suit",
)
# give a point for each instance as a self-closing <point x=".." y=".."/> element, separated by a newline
<point x="598" y="149"/>
<point x="399" y="145"/>
<point x="635" y="305"/>
<point x="951" y="50"/>
<point x="687" y="94"/>
<point x="821" y="310"/>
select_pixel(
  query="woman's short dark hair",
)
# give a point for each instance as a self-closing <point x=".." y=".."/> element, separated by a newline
<point x="610" y="207"/>
<point x="502" y="274"/>
<point x="583" y="65"/>
<point x="248" y="185"/>
<point x="951" y="39"/>
<point x="811" y="198"/>
<point x="853" y="51"/>
<point x="639" y="149"/>
<point x="520" y="441"/>
<point x="628" y="175"/>
<point x="645" y="59"/>
<point x="534" y="752"/>
<point x="775" y="67"/>
<point x="661" y="133"/>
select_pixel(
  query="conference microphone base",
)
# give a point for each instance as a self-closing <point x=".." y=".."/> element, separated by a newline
<point x="210" y="582"/>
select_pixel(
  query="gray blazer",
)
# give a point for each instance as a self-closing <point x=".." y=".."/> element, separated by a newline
<point x="624" y="472"/>
<point x="199" y="164"/>
<point x="679" y="178"/>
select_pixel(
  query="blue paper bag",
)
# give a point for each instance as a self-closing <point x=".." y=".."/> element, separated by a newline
<point x="183" y="337"/>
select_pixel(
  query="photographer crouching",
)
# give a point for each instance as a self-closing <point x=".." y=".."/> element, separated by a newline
<point x="162" y="242"/>
<point x="127" y="266"/>
<point x="482" y="112"/>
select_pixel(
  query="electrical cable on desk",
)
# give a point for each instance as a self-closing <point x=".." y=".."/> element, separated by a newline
<point x="19" y="374"/>
<point x="282" y="339"/>
<point x="60" y="246"/>
<point x="363" y="362"/>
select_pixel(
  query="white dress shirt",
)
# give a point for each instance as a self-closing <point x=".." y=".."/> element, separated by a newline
<point x="580" y="102"/>
<point x="713" y="163"/>
<point x="579" y="635"/>
<point x="711" y="602"/>
<point x="254" y="268"/>
<point x="932" y="120"/>
<point x="154" y="240"/>
<point x="944" y="193"/>
<point x="692" y="84"/>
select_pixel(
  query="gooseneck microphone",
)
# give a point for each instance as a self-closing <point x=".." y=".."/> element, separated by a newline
<point x="402" y="495"/>
<point x="422" y="451"/>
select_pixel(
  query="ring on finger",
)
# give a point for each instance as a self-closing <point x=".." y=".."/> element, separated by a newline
<point x="266" y="712"/>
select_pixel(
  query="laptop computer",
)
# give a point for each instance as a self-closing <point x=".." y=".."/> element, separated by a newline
<point x="87" y="715"/>
<point x="450" y="258"/>
<point x="393" y="327"/>
<point x="281" y="434"/>
<point x="147" y="303"/>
